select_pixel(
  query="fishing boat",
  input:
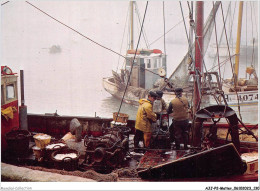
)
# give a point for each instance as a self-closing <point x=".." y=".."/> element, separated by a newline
<point x="240" y="93"/>
<point x="149" y="70"/>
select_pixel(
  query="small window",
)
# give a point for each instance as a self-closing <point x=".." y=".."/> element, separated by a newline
<point x="155" y="63"/>
<point x="10" y="94"/>
<point x="127" y="63"/>
<point x="2" y="95"/>
<point x="159" y="62"/>
<point x="148" y="63"/>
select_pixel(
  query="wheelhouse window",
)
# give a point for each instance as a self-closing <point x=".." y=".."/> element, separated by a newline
<point x="159" y="62"/>
<point x="155" y="64"/>
<point x="2" y="95"/>
<point x="10" y="93"/>
<point x="148" y="63"/>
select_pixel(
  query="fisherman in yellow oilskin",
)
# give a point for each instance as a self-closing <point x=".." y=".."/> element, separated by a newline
<point x="144" y="118"/>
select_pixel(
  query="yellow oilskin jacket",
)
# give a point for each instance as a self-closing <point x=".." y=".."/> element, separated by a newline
<point x="145" y="116"/>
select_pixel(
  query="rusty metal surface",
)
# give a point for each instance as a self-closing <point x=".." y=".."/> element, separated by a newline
<point x="106" y="152"/>
<point x="57" y="126"/>
<point x="157" y="157"/>
<point x="221" y="161"/>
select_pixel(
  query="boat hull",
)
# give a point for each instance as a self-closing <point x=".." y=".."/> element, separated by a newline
<point x="248" y="104"/>
<point x="132" y="96"/>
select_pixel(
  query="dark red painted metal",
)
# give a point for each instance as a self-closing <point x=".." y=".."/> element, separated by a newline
<point x="198" y="49"/>
<point x="8" y="125"/>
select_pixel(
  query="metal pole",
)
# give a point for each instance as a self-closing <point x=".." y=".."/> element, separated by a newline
<point x="132" y="24"/>
<point x="22" y="87"/>
<point x="239" y="26"/>
<point x="196" y="126"/>
<point x="22" y="108"/>
<point x="198" y="53"/>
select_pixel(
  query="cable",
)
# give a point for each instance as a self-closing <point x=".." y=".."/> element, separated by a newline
<point x="185" y="27"/>
<point x="133" y="62"/>
<point x="164" y="29"/>
<point x="85" y="36"/>
<point x="231" y="62"/>
<point x="123" y="38"/>
<point x="217" y="47"/>
<point x="144" y="34"/>
<point x="5" y="3"/>
<point x="75" y="30"/>
<point x="167" y="31"/>
<point x="246" y="41"/>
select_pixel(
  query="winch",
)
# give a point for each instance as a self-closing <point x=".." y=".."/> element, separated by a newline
<point x="106" y="152"/>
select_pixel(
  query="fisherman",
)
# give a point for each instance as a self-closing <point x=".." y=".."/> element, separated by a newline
<point x="163" y="103"/>
<point x="179" y="110"/>
<point x="144" y="118"/>
<point x="76" y="130"/>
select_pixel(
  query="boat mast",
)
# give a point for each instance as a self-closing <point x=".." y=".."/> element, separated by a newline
<point x="238" y="43"/>
<point x="132" y="24"/>
<point x="198" y="53"/>
<point x="196" y="135"/>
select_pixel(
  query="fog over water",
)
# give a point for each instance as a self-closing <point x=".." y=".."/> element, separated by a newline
<point x="63" y="70"/>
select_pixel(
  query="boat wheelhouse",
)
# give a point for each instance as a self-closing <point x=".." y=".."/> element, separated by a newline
<point x="9" y="103"/>
<point x="146" y="63"/>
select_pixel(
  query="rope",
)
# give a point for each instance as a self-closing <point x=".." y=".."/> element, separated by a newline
<point x="186" y="30"/>
<point x="123" y="37"/>
<point x="256" y="16"/>
<point x="85" y="36"/>
<point x="215" y="58"/>
<point x="246" y="41"/>
<point x="75" y="30"/>
<point x="253" y="53"/>
<point x="133" y="62"/>
<point x="253" y="39"/>
<point x="231" y="37"/>
<point x="222" y="63"/>
<point x="167" y="31"/>
<point x="231" y="62"/>
<point x="217" y="47"/>
<point x="144" y="34"/>
<point x="164" y="29"/>
<point x="4" y="3"/>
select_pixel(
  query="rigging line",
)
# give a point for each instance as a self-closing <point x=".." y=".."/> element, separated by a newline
<point x="231" y="36"/>
<point x="144" y="34"/>
<point x="168" y="31"/>
<point x="231" y="62"/>
<point x="164" y="29"/>
<point x="186" y="30"/>
<point x="254" y="7"/>
<point x="196" y="71"/>
<point x="253" y="53"/>
<point x="123" y="37"/>
<point x="222" y="32"/>
<point x="75" y="30"/>
<point x="133" y="62"/>
<point x="217" y="46"/>
<point x="222" y="63"/>
<point x="246" y="40"/>
<point x="253" y="60"/>
<point x="84" y="35"/>
<point x="252" y="20"/>
<point x="5" y="3"/>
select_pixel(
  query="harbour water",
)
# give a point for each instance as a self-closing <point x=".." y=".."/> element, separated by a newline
<point x="63" y="70"/>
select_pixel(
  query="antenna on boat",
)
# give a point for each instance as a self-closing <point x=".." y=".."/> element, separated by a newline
<point x="132" y="24"/>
